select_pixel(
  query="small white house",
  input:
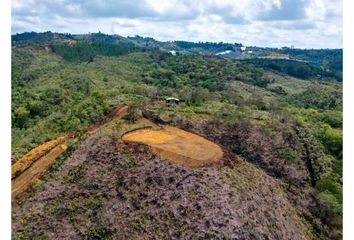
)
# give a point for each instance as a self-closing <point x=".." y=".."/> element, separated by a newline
<point x="172" y="100"/>
<point x="173" y="52"/>
<point x="223" y="53"/>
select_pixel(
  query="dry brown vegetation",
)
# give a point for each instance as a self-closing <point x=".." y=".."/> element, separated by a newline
<point x="136" y="194"/>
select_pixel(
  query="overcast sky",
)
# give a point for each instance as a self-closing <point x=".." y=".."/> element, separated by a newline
<point x="273" y="23"/>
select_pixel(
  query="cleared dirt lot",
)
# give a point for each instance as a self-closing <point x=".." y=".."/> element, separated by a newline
<point x="178" y="146"/>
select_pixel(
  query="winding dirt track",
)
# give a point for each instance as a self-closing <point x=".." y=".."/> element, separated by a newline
<point x="178" y="146"/>
<point x="29" y="158"/>
<point x="22" y="182"/>
<point x="36" y="162"/>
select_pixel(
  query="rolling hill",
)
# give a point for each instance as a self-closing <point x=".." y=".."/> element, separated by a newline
<point x="278" y="123"/>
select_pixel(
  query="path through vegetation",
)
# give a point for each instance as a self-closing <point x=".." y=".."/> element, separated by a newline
<point x="27" y="170"/>
<point x="21" y="183"/>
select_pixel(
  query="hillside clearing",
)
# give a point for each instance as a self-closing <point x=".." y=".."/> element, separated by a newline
<point x="178" y="146"/>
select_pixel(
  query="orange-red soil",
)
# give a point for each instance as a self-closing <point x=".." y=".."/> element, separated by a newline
<point x="22" y="182"/>
<point x="29" y="158"/>
<point x="178" y="146"/>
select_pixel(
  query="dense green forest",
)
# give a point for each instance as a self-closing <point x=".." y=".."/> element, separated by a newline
<point x="208" y="45"/>
<point x="85" y="52"/>
<point x="330" y="60"/>
<point x="295" y="68"/>
<point x="62" y="84"/>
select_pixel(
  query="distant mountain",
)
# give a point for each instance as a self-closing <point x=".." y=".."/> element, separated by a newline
<point x="320" y="62"/>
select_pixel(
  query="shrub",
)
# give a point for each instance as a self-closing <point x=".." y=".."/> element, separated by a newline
<point x="278" y="90"/>
<point x="330" y="208"/>
<point x="333" y="118"/>
<point x="99" y="232"/>
<point x="133" y="113"/>
<point x="331" y="139"/>
<point x="41" y="237"/>
<point x="289" y="154"/>
<point x="330" y="184"/>
<point x="37" y="108"/>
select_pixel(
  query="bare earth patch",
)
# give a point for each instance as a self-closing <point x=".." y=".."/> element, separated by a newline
<point x="178" y="146"/>
<point x="37" y="169"/>
<point x="28" y="159"/>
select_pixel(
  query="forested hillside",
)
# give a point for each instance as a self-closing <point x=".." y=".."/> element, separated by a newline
<point x="282" y="117"/>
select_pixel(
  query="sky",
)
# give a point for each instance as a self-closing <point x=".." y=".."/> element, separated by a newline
<point x="266" y="23"/>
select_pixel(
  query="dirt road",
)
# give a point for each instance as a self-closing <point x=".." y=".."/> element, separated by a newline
<point x="37" y="161"/>
<point x="22" y="182"/>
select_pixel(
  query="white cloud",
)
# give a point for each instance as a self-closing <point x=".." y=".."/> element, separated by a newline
<point x="311" y="23"/>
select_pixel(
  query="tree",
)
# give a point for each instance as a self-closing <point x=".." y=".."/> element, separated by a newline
<point x="21" y="116"/>
<point x="36" y="108"/>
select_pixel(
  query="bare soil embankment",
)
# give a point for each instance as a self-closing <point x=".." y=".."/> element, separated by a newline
<point x="29" y="158"/>
<point x="22" y="182"/>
